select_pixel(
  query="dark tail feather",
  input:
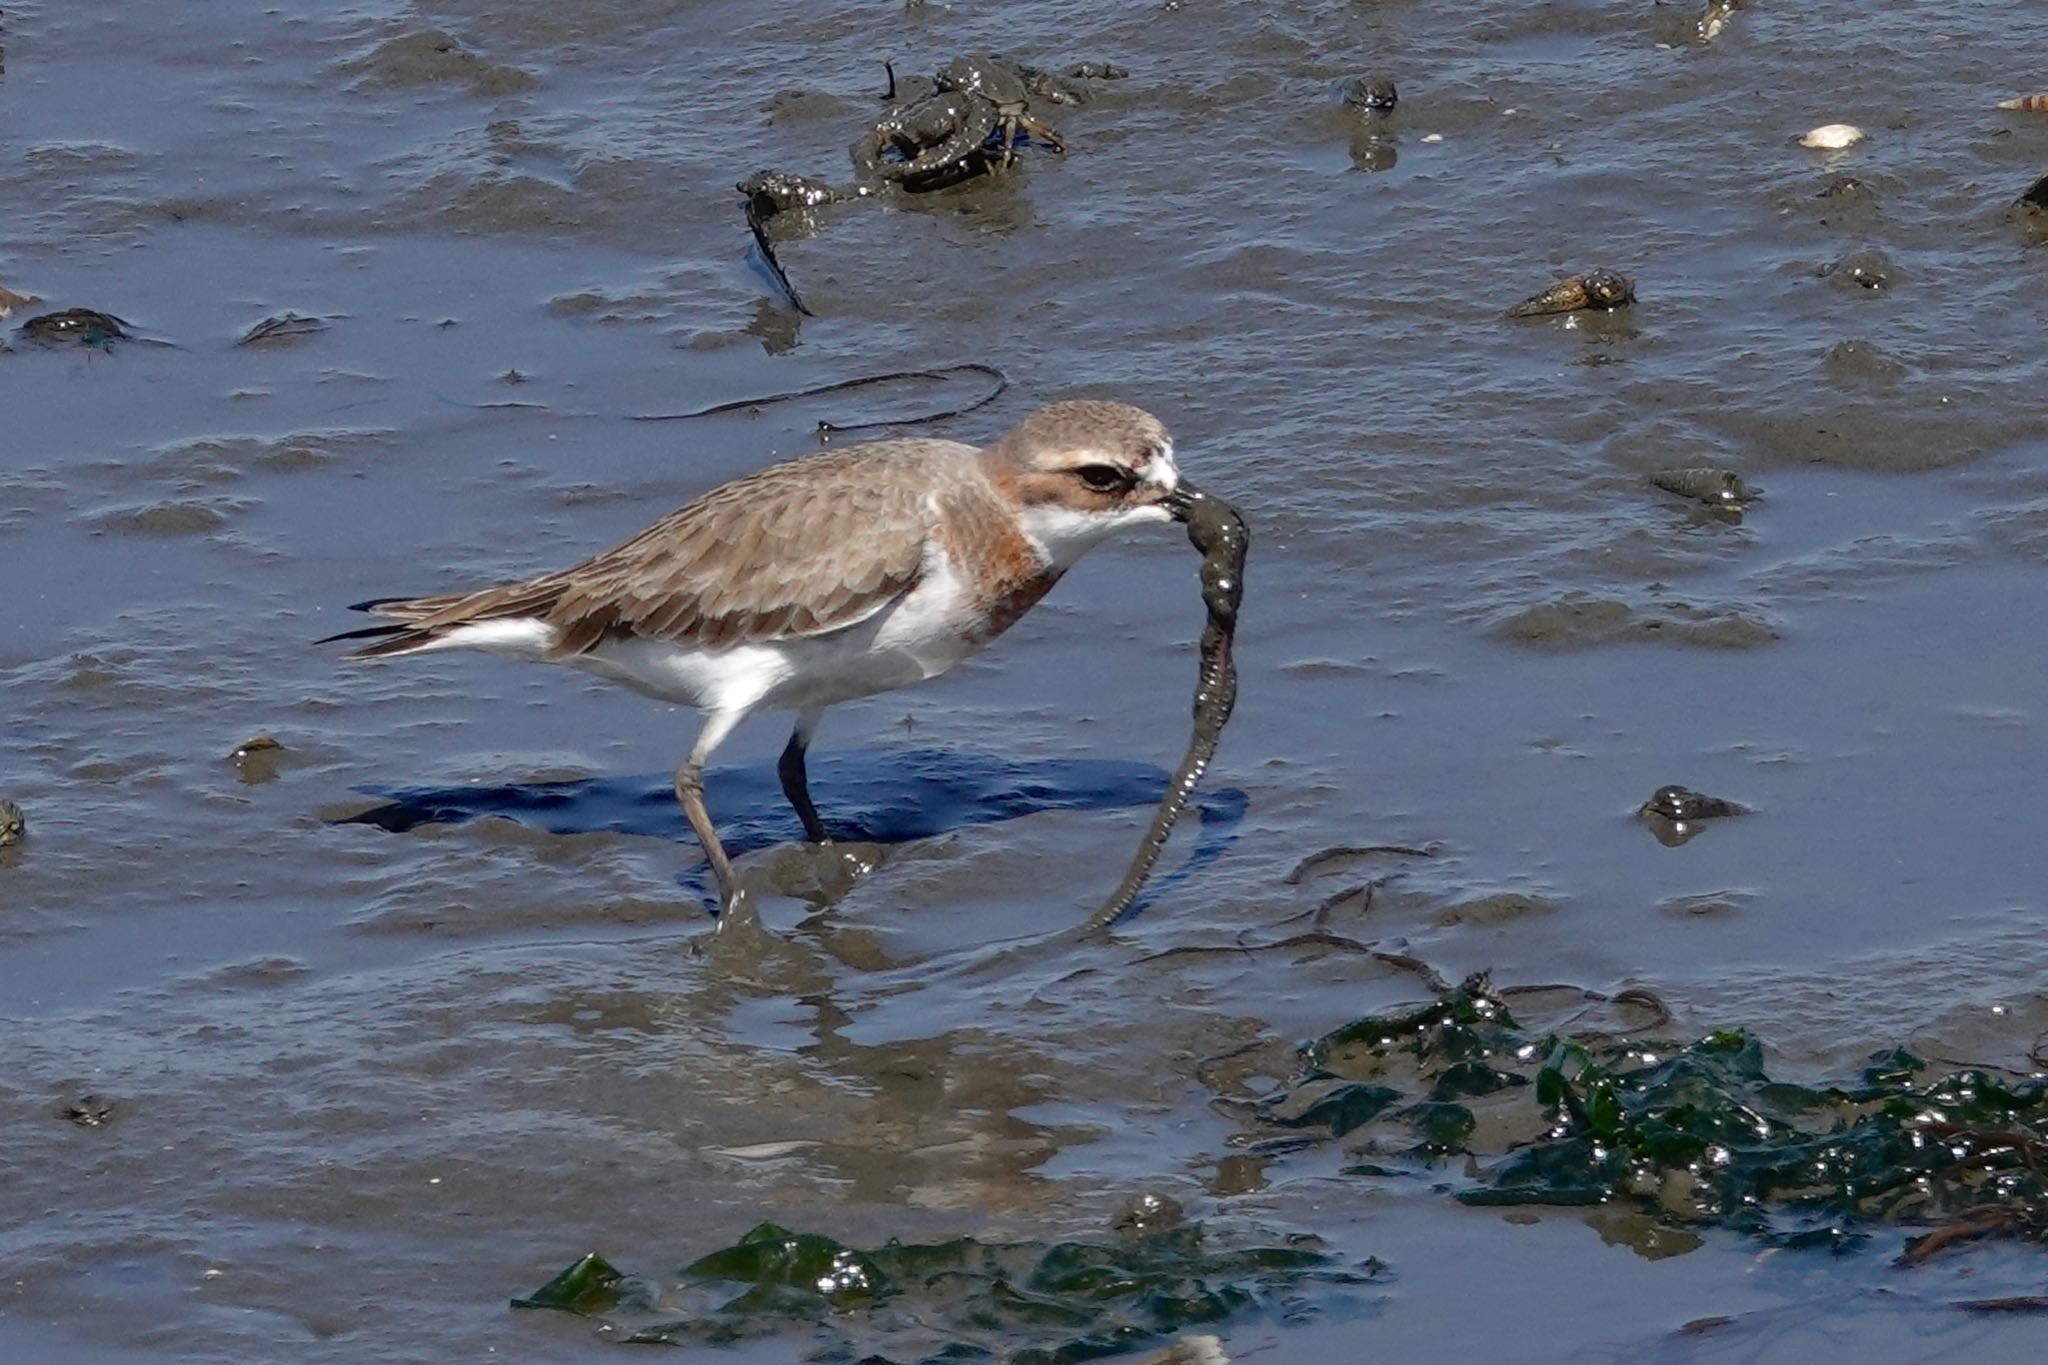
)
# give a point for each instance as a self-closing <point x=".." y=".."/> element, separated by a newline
<point x="390" y="640"/>
<point x="366" y="633"/>
<point x="373" y="604"/>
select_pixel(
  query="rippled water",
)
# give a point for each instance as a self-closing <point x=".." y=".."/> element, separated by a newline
<point x="371" y="1082"/>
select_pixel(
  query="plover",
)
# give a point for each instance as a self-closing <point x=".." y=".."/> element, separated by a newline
<point x="821" y="579"/>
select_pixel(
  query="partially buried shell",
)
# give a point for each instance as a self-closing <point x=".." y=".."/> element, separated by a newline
<point x="75" y="326"/>
<point x="1592" y="289"/>
<point x="1683" y="803"/>
<point x="1832" y="137"/>
<point x="1715" y="487"/>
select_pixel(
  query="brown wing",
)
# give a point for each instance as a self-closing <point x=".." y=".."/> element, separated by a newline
<point x="801" y="548"/>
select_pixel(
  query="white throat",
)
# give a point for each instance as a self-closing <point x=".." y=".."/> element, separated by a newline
<point x="1063" y="534"/>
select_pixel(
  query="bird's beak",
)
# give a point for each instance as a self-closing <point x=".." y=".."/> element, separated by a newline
<point x="1181" y="501"/>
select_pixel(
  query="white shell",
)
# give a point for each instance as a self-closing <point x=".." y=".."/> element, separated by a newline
<point x="1832" y="137"/>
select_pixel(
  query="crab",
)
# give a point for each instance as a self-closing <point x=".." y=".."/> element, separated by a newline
<point x="1008" y="87"/>
<point x="981" y="105"/>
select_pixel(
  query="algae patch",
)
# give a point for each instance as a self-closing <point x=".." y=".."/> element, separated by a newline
<point x="1031" y="1303"/>
<point x="1691" y="1134"/>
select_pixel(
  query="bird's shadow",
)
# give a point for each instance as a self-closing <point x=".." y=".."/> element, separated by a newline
<point x="882" y="796"/>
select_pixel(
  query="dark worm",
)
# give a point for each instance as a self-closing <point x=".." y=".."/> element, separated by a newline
<point x="1214" y="528"/>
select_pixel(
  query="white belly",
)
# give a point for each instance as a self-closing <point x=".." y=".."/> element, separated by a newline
<point x="919" y="636"/>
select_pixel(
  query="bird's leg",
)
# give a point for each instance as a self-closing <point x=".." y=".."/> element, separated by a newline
<point x="690" y="796"/>
<point x="796" y="781"/>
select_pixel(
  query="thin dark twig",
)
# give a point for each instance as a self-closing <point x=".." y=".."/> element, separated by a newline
<point x="2025" y="1143"/>
<point x="1331" y="855"/>
<point x="1639" y="996"/>
<point x="758" y="226"/>
<point x="1644" y="998"/>
<point x="1982" y="1222"/>
<point x="513" y="404"/>
<point x="1002" y="382"/>
<point x="1318" y="938"/>
<point x="1325" y="938"/>
<point x="1538" y="987"/>
<point x="1364" y="893"/>
<point x="1201" y="950"/>
<point x="1431" y="977"/>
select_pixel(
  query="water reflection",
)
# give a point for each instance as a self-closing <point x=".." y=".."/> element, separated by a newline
<point x="872" y="799"/>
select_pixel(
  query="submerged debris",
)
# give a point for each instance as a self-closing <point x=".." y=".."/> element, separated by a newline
<point x="1193" y="1349"/>
<point x="1148" y="1212"/>
<point x="1098" y="71"/>
<point x="1867" y="268"/>
<point x="257" y="759"/>
<point x="2034" y="197"/>
<point x="1025" y="1302"/>
<point x="1854" y="360"/>
<point x="1715" y="17"/>
<point x="1592" y="289"/>
<point x="1370" y="94"/>
<point x="87" y="1111"/>
<point x="13" y="824"/>
<point x="282" y="330"/>
<point x="1686" y="1134"/>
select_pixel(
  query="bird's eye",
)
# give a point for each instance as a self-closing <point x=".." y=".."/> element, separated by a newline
<point x="1104" y="478"/>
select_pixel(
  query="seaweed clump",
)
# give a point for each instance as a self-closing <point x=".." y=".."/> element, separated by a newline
<point x="1693" y="1134"/>
<point x="1031" y="1303"/>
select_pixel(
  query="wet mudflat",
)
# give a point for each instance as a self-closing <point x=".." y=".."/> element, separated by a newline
<point x="279" y="1080"/>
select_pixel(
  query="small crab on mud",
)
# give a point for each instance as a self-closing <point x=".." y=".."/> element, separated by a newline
<point x="971" y="122"/>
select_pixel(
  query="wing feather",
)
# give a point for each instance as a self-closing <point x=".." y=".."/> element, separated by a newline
<point x="801" y="548"/>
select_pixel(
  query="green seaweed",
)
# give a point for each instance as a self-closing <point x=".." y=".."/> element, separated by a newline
<point x="589" y="1286"/>
<point x="1030" y="1302"/>
<point x="1694" y="1134"/>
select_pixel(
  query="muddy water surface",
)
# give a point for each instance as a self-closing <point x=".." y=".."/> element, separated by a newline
<point x="368" y="1081"/>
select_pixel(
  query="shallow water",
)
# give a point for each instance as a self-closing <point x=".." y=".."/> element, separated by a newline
<point x="370" y="1084"/>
